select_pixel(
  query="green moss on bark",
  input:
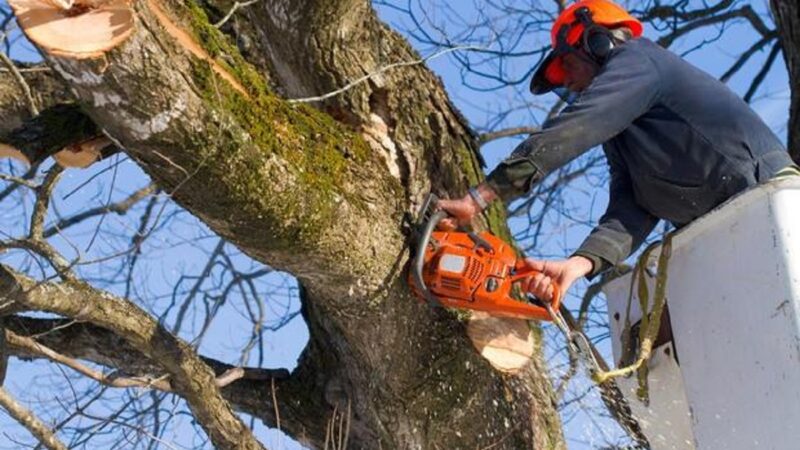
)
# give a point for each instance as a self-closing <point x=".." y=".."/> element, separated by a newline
<point x="274" y="131"/>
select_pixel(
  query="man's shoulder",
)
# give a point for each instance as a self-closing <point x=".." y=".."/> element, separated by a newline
<point x="643" y="52"/>
<point x="642" y="45"/>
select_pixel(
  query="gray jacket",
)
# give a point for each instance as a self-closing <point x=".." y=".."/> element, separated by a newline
<point x="678" y="143"/>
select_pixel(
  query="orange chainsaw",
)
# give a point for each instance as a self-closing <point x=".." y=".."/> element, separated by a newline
<point x="468" y="270"/>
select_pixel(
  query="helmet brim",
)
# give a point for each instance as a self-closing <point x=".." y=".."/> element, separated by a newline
<point x="549" y="75"/>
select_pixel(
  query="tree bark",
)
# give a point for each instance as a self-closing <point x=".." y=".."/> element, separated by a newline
<point x="787" y="16"/>
<point x="324" y="194"/>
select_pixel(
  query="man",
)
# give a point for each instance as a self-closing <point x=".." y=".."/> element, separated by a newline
<point x="678" y="142"/>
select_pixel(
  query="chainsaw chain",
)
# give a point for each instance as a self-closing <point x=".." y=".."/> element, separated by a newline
<point x="578" y="344"/>
<point x="577" y="341"/>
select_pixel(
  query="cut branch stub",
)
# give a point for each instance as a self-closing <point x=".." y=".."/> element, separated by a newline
<point x="86" y="29"/>
<point x="82" y="154"/>
<point x="506" y="343"/>
<point x="7" y="151"/>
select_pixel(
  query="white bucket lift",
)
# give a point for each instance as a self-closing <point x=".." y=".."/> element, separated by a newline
<point x="730" y="377"/>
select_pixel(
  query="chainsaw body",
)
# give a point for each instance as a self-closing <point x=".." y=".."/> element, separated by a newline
<point x="476" y="271"/>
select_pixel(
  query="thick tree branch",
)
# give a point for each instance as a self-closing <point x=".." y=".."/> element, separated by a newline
<point x="189" y="376"/>
<point x="299" y="395"/>
<point x="321" y="199"/>
<point x="787" y="16"/>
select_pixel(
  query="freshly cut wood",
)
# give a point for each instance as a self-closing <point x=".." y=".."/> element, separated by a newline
<point x="7" y="151"/>
<point x="506" y="343"/>
<point x="63" y="4"/>
<point x="82" y="154"/>
<point x="79" y="29"/>
<point x="189" y="44"/>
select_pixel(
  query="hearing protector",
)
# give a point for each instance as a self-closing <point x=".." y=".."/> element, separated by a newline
<point x="596" y="40"/>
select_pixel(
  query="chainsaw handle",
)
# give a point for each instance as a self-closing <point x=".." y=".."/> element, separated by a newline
<point x="523" y="274"/>
<point x="419" y="260"/>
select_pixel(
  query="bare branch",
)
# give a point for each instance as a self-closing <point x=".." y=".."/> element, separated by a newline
<point x="380" y="71"/>
<point x="190" y="377"/>
<point x="762" y="74"/>
<point x="23" y="85"/>
<point x="745" y="12"/>
<point x="120" y="208"/>
<point x="43" y="194"/>
<point x="30" y="421"/>
<point x="493" y="135"/>
<point x="30" y="345"/>
<point x="18" y="180"/>
<point x="746" y="56"/>
<point x="235" y="7"/>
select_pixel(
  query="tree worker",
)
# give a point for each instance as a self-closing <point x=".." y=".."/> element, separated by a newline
<point x="678" y="142"/>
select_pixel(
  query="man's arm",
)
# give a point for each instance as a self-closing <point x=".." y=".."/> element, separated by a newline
<point x="625" y="88"/>
<point x="623" y="227"/>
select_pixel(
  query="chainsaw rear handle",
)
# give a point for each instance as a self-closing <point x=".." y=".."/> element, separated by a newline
<point x="419" y="260"/>
<point x="521" y="275"/>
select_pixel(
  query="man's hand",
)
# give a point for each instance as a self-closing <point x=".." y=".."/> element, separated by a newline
<point x="464" y="209"/>
<point x="563" y="273"/>
<point x="461" y="212"/>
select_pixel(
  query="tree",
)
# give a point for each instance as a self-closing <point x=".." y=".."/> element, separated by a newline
<point x="321" y="188"/>
<point x="291" y="188"/>
<point x="787" y="16"/>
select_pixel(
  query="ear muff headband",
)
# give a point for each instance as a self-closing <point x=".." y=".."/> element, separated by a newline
<point x="597" y="41"/>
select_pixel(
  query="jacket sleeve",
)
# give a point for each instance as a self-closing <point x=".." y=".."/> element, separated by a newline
<point x="623" y="227"/>
<point x="624" y="89"/>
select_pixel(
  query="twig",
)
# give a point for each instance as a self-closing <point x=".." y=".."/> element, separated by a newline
<point x="18" y="180"/>
<point x="28" y="69"/>
<point x="236" y="6"/>
<point x="492" y="135"/>
<point x="93" y="177"/>
<point x="275" y="404"/>
<point x="380" y="71"/>
<point x="120" y="207"/>
<point x="29" y="175"/>
<point x="171" y="163"/>
<point x="28" y="420"/>
<point x="759" y="78"/>
<point x="229" y="376"/>
<point x="347" y="425"/>
<point x="43" y="194"/>
<point x="34" y="347"/>
<point x="20" y="81"/>
<point x="329" y="429"/>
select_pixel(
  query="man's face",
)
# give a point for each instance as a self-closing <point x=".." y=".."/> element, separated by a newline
<point x="580" y="71"/>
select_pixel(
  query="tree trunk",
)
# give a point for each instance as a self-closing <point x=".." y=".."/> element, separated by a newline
<point x="787" y="16"/>
<point x="325" y="195"/>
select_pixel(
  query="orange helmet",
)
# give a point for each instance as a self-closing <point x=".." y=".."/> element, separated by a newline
<point x="568" y="32"/>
